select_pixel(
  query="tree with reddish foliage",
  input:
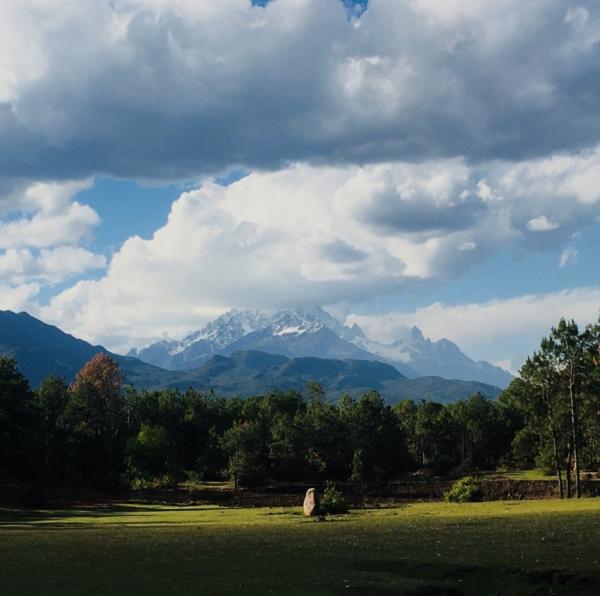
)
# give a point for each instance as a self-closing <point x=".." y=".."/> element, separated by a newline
<point x="102" y="374"/>
<point x="96" y="424"/>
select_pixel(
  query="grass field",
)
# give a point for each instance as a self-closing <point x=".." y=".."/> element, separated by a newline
<point x="522" y="475"/>
<point x="524" y="547"/>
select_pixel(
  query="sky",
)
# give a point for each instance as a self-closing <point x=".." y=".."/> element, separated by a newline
<point x="399" y="162"/>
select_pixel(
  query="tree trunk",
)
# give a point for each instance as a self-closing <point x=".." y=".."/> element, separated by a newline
<point x="574" y="431"/>
<point x="568" y="471"/>
<point x="557" y="464"/>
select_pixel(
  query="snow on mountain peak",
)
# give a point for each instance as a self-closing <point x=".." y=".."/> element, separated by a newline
<point x="299" y="330"/>
<point x="229" y="327"/>
<point x="235" y="324"/>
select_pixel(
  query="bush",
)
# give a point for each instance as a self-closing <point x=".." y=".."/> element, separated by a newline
<point x="545" y="463"/>
<point x="465" y="490"/>
<point x="148" y="452"/>
<point x="332" y="501"/>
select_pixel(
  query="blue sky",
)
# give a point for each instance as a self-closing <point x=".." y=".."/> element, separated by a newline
<point x="127" y="209"/>
<point x="395" y="161"/>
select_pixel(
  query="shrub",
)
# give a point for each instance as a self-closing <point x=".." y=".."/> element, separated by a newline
<point x="465" y="490"/>
<point x="148" y="452"/>
<point x="332" y="501"/>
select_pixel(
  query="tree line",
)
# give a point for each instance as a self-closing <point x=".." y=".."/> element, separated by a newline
<point x="99" y="432"/>
<point x="557" y="397"/>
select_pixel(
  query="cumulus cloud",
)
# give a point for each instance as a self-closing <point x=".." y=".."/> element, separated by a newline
<point x="171" y="89"/>
<point x="489" y="330"/>
<point x="41" y="229"/>
<point x="306" y="234"/>
<point x="44" y="229"/>
<point x="18" y="298"/>
<point x="20" y="266"/>
<point x="541" y="224"/>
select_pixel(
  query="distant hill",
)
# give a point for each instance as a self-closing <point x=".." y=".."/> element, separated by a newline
<point x="42" y="349"/>
<point x="251" y="372"/>
<point x="300" y="332"/>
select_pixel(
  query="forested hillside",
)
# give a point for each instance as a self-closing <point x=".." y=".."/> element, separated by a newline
<point x="98" y="432"/>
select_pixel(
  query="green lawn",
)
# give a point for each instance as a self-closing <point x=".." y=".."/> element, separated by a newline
<point x="522" y="475"/>
<point x="525" y="547"/>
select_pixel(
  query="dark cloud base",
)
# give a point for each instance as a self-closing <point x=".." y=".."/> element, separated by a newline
<point x="176" y="98"/>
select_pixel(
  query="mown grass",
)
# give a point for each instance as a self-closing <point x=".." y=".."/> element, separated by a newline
<point x="525" y="547"/>
<point x="523" y="475"/>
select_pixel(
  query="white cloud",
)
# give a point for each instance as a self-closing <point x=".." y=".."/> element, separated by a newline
<point x="19" y="298"/>
<point x="41" y="229"/>
<point x="45" y="214"/>
<point x="490" y="330"/>
<point x="18" y="266"/>
<point x="541" y="224"/>
<point x="315" y="235"/>
<point x="50" y="197"/>
<point x="569" y="255"/>
<point x="576" y="175"/>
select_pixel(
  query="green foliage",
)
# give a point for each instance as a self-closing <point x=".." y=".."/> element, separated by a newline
<point x="358" y="474"/>
<point x="375" y="438"/>
<point x="332" y="502"/>
<point x="465" y="490"/>
<point x="243" y="444"/>
<point x="97" y="432"/>
<point x="326" y="444"/>
<point x="557" y="396"/>
<point x="148" y="452"/>
<point x="15" y="414"/>
<point x="315" y="391"/>
<point x="50" y="401"/>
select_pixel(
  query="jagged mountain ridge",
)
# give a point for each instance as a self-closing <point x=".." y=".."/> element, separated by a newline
<point x="293" y="333"/>
<point x="304" y="332"/>
<point x="41" y="350"/>
<point x="441" y="358"/>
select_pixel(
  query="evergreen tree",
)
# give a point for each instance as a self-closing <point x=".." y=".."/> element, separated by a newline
<point x="15" y="415"/>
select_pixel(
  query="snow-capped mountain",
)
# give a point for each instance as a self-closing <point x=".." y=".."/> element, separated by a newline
<point x="441" y="358"/>
<point x="294" y="333"/>
<point x="314" y="332"/>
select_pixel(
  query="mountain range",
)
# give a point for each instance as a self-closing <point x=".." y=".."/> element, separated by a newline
<point x="313" y="332"/>
<point x="41" y="350"/>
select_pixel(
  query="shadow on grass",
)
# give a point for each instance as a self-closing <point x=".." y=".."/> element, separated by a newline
<point x="424" y="578"/>
<point x="51" y="518"/>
